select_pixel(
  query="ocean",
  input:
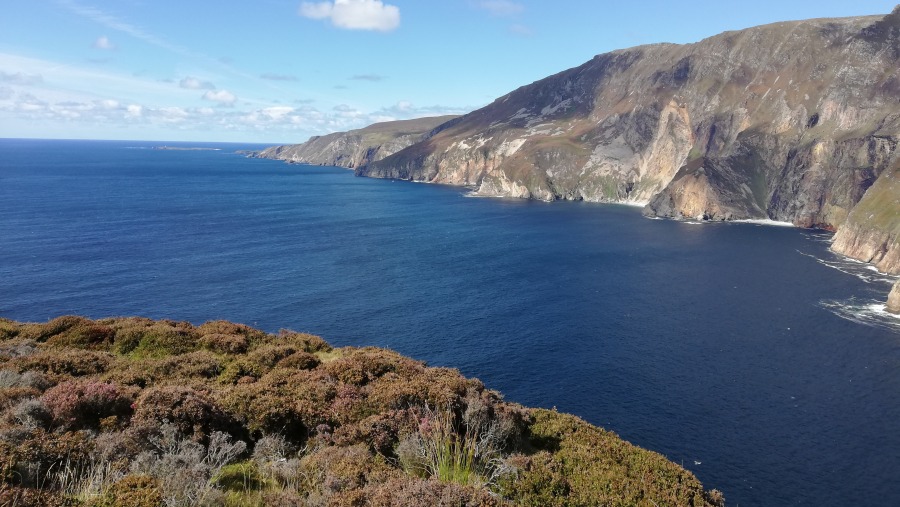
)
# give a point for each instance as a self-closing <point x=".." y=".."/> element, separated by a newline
<point x="750" y="354"/>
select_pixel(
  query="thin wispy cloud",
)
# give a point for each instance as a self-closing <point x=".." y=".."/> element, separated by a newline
<point x="502" y="8"/>
<point x="192" y="83"/>
<point x="354" y="14"/>
<point x="278" y="77"/>
<point x="114" y="23"/>
<point x="103" y="43"/>
<point x="368" y="77"/>
<point x="21" y="78"/>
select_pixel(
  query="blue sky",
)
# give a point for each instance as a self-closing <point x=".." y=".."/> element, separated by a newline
<point x="279" y="71"/>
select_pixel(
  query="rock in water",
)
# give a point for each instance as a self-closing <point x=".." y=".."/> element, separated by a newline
<point x="893" y="302"/>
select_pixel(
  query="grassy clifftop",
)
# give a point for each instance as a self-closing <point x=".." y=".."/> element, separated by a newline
<point x="136" y="412"/>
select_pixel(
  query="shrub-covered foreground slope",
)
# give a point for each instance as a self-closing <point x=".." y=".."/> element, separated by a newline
<point x="136" y="412"/>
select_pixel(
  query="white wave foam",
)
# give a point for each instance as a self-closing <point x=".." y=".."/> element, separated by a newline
<point x="765" y="221"/>
<point x="862" y="270"/>
<point x="868" y="313"/>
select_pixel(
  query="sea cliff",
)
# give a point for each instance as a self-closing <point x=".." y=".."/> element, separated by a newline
<point x="136" y="412"/>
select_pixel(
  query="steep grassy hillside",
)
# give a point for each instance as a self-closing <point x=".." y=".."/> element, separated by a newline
<point x="135" y="412"/>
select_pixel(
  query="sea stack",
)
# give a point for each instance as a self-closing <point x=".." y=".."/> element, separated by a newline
<point x="893" y="302"/>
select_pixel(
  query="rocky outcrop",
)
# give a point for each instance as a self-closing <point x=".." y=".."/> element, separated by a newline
<point x="893" y="301"/>
<point x="357" y="147"/>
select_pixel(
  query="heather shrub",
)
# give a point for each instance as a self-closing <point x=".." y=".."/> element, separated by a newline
<point x="267" y="356"/>
<point x="362" y="366"/>
<point x="304" y="341"/>
<point x="241" y="337"/>
<point x="198" y="364"/>
<point x="13" y="395"/>
<point x="241" y="369"/>
<point x="330" y="470"/>
<point x="8" y="329"/>
<point x="299" y="361"/>
<point x="83" y="403"/>
<point x="133" y="491"/>
<point x="32" y="414"/>
<point x="26" y="379"/>
<point x="14" y="496"/>
<point x="164" y="339"/>
<point x="12" y="349"/>
<point x="38" y="460"/>
<point x="183" y="467"/>
<point x="73" y="362"/>
<point x="41" y="332"/>
<point x="408" y="492"/>
<point x="85" y="335"/>
<point x="192" y="412"/>
<point x="225" y="343"/>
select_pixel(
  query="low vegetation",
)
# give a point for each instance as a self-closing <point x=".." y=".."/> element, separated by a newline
<point x="135" y="412"/>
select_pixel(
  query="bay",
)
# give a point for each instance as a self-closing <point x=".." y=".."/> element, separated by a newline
<point x="749" y="354"/>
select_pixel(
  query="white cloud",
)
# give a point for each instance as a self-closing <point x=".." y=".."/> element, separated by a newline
<point x="354" y="14"/>
<point x="192" y="83"/>
<point x="20" y="78"/>
<point x="501" y="7"/>
<point x="103" y="42"/>
<point x="134" y="110"/>
<point x="223" y="97"/>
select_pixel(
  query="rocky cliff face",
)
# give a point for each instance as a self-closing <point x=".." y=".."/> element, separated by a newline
<point x="357" y="147"/>
<point x="793" y="121"/>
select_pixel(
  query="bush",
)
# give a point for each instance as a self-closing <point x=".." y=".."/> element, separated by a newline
<point x="32" y="414"/>
<point x="304" y="341"/>
<point x="84" y="335"/>
<point x="299" y="361"/>
<point x="72" y="362"/>
<point x="134" y="491"/>
<point x="192" y="412"/>
<point x="82" y="404"/>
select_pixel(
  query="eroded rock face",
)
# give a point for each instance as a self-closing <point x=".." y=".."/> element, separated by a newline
<point x="792" y="121"/>
<point x="893" y="301"/>
<point x="357" y="147"/>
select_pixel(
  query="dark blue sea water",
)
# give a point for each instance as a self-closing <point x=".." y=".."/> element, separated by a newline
<point x="750" y="354"/>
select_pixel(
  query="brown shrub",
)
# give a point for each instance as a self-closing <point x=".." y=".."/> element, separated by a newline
<point x="304" y="341"/>
<point x="13" y="395"/>
<point x="330" y="470"/>
<point x="85" y="335"/>
<point x="135" y="491"/>
<point x="63" y="362"/>
<point x="362" y="366"/>
<point x="268" y="356"/>
<point x="83" y="403"/>
<point x="239" y="335"/>
<point x="37" y="459"/>
<point x="15" y="496"/>
<point x="225" y="343"/>
<point x="8" y="329"/>
<point x="410" y="492"/>
<point x="299" y="361"/>
<point x="41" y="332"/>
<point x="193" y="412"/>
<point x="197" y="364"/>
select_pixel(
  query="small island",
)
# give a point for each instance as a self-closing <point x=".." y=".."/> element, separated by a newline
<point x="137" y="412"/>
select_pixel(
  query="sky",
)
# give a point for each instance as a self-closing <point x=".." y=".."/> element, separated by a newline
<point x="280" y="71"/>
